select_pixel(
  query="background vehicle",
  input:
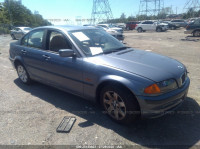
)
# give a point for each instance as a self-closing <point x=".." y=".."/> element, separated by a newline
<point x="131" y="25"/>
<point x="109" y="26"/>
<point x="92" y="64"/>
<point x="151" y="26"/>
<point x="179" y="23"/>
<point x="19" y="32"/>
<point x="112" y="32"/>
<point x="191" y="20"/>
<point x="193" y="28"/>
<point x="170" y="26"/>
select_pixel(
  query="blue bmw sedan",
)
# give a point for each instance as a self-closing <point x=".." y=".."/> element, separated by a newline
<point x="90" y="63"/>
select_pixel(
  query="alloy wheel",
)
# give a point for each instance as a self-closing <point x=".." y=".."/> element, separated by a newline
<point x="114" y="105"/>
<point x="22" y="74"/>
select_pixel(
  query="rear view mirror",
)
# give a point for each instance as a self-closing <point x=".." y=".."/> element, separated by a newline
<point x="66" y="53"/>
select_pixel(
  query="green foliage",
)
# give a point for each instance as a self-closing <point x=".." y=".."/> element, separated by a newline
<point x="16" y="14"/>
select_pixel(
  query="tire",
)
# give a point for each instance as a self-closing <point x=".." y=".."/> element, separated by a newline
<point x="13" y="37"/>
<point x="159" y="29"/>
<point x="196" y="33"/>
<point x="23" y="74"/>
<point x="139" y="30"/>
<point x="119" y="103"/>
<point x="173" y="28"/>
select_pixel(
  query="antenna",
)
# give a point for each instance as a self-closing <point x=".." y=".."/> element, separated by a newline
<point x="101" y="11"/>
<point x="151" y="7"/>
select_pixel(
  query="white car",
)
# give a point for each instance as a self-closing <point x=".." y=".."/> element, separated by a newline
<point x="114" y="33"/>
<point x="19" y="32"/>
<point x="151" y="26"/>
<point x="109" y="26"/>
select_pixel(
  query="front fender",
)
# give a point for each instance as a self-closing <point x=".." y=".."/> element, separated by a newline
<point x="135" y="84"/>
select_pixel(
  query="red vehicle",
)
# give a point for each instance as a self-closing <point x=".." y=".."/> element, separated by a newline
<point x="131" y="25"/>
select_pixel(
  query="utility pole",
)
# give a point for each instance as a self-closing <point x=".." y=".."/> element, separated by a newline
<point x="101" y="11"/>
<point x="10" y="15"/>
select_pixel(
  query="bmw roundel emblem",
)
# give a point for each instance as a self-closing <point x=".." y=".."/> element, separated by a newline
<point x="180" y="67"/>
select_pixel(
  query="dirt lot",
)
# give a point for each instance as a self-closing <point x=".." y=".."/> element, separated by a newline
<point x="29" y="115"/>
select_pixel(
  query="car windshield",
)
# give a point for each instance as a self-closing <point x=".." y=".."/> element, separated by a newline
<point x="94" y="42"/>
<point x="27" y="29"/>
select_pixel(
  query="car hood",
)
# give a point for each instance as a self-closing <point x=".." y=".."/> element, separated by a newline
<point x="116" y="28"/>
<point x="163" y="24"/>
<point x="147" y="64"/>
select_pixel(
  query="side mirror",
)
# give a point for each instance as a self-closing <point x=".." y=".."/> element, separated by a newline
<point x="67" y="53"/>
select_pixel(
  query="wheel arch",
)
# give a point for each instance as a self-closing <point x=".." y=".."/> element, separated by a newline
<point x="198" y="29"/>
<point x="114" y="80"/>
<point x="18" y="60"/>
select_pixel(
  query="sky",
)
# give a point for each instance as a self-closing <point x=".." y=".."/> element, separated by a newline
<point x="70" y="10"/>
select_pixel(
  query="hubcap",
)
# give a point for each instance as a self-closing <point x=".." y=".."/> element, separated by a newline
<point x="197" y="33"/>
<point x="114" y="105"/>
<point x="22" y="73"/>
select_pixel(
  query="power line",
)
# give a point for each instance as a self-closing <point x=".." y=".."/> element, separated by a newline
<point x="150" y="7"/>
<point x="101" y="11"/>
<point x="193" y="5"/>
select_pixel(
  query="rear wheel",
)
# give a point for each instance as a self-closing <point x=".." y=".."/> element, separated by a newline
<point x="196" y="33"/>
<point x="119" y="104"/>
<point x="23" y="74"/>
<point x="139" y="30"/>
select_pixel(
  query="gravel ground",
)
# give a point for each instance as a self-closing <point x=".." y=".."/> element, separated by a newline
<point x="29" y="115"/>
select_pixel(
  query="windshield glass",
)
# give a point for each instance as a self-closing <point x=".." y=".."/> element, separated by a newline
<point x="95" y="42"/>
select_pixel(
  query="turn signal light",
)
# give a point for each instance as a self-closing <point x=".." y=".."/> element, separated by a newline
<point x="153" y="89"/>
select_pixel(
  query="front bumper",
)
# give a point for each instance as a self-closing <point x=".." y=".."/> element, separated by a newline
<point x="188" y="32"/>
<point x="157" y="106"/>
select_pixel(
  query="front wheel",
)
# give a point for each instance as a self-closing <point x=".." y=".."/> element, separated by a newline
<point x="196" y="34"/>
<point x="23" y="74"/>
<point x="13" y="37"/>
<point x="119" y="104"/>
<point x="158" y="29"/>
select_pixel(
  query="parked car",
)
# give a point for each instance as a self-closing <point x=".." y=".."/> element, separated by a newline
<point x="112" y="32"/>
<point x="179" y="23"/>
<point x="170" y="26"/>
<point x="110" y="26"/>
<point x="92" y="64"/>
<point x="131" y="25"/>
<point x="191" y="20"/>
<point x="18" y="32"/>
<point x="151" y="26"/>
<point x="193" y="28"/>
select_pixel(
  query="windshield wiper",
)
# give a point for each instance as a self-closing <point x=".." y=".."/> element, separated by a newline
<point x="116" y="50"/>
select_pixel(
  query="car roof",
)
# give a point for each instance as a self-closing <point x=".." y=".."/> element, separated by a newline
<point x="66" y="27"/>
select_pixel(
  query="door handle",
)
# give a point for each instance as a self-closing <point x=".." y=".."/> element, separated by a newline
<point x="24" y="52"/>
<point x="46" y="57"/>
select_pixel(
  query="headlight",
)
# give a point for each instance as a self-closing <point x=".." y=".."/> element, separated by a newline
<point x="162" y="87"/>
